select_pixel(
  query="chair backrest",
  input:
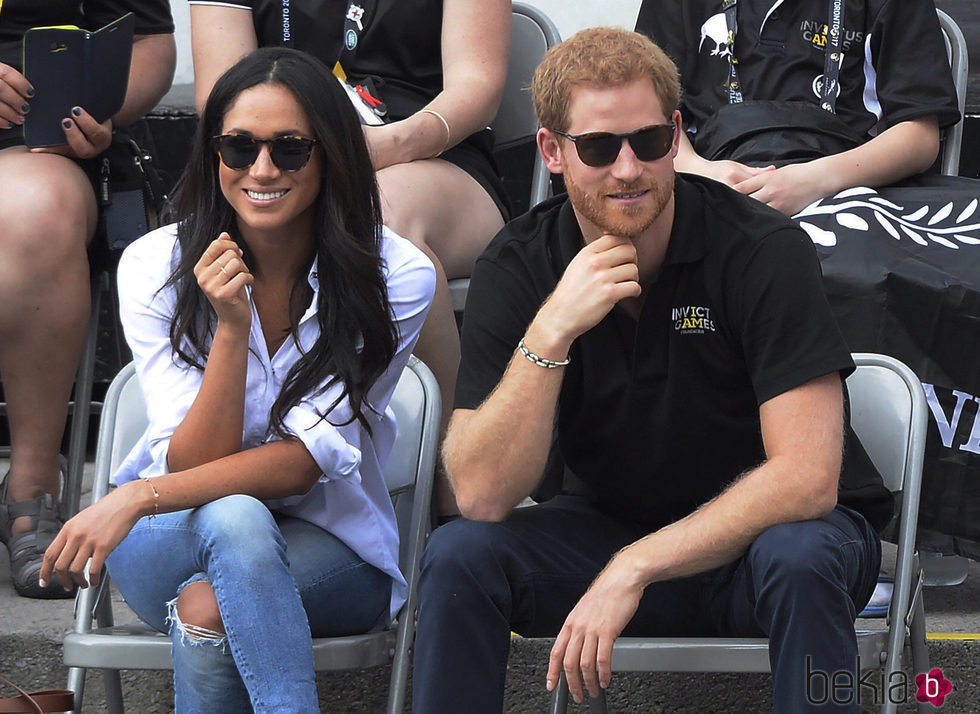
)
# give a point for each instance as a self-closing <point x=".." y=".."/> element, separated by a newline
<point x="883" y="398"/>
<point x="532" y="33"/>
<point x="959" y="63"/>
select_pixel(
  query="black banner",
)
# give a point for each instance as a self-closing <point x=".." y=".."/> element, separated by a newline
<point x="902" y="271"/>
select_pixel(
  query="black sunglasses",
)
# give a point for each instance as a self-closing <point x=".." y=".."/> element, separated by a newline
<point x="600" y="148"/>
<point x="239" y="151"/>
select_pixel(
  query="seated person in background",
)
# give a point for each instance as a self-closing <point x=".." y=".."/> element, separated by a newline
<point x="48" y="216"/>
<point x="648" y="326"/>
<point x="439" y="67"/>
<point x="760" y="116"/>
<point x="269" y="327"/>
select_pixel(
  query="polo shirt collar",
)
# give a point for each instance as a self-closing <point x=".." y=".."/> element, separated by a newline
<point x="687" y="236"/>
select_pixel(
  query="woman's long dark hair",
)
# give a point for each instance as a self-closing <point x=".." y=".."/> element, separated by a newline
<point x="358" y="337"/>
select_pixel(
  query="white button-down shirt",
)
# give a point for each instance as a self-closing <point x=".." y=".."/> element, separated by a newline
<point x="350" y="500"/>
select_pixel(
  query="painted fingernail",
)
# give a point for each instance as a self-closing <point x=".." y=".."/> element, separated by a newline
<point x="25" y="108"/>
<point x="42" y="582"/>
<point x="10" y="125"/>
<point x="77" y="111"/>
<point x="30" y="91"/>
<point x="66" y="123"/>
<point x="20" y="119"/>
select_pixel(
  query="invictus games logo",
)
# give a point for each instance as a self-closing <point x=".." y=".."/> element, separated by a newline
<point x="815" y="33"/>
<point x="692" y="320"/>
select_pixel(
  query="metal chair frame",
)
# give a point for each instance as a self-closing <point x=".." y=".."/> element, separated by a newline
<point x="409" y="475"/>
<point x="959" y="63"/>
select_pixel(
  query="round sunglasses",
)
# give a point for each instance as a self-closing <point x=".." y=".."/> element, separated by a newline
<point x="601" y="148"/>
<point x="288" y="153"/>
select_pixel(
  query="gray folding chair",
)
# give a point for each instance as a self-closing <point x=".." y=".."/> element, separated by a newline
<point x="409" y="474"/>
<point x="532" y="33"/>
<point x="959" y="63"/>
<point x="888" y="412"/>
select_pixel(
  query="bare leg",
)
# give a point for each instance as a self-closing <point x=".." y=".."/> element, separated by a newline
<point x="446" y="213"/>
<point x="45" y="225"/>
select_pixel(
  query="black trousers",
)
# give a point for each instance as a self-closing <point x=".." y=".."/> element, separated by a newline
<point x="800" y="584"/>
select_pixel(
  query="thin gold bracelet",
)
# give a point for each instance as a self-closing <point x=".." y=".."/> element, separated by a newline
<point x="449" y="133"/>
<point x="156" y="499"/>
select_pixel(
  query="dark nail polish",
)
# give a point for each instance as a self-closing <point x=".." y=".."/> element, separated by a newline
<point x="25" y="108"/>
<point x="10" y="125"/>
<point x="30" y="91"/>
<point x="77" y="111"/>
<point x="66" y="123"/>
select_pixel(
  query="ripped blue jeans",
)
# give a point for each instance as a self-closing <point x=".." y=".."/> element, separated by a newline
<point x="276" y="579"/>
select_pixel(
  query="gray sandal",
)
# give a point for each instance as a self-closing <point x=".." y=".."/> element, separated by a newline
<point x="27" y="549"/>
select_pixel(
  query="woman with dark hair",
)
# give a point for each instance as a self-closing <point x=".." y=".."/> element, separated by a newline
<point x="435" y="70"/>
<point x="269" y="327"/>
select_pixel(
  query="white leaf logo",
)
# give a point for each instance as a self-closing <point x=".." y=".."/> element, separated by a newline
<point x="819" y="235"/>
<point x="852" y="221"/>
<point x="941" y="214"/>
<point x="887" y="225"/>
<point x="943" y="241"/>
<point x="914" y="236"/>
<point x="970" y="209"/>
<point x="913" y="217"/>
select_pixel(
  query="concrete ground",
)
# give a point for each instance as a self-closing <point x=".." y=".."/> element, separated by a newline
<point x="30" y="654"/>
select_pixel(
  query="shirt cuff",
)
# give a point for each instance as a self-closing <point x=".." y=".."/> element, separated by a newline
<point x="336" y="457"/>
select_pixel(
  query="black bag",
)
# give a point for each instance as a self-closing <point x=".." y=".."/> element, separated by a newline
<point x="760" y="133"/>
<point x="131" y="192"/>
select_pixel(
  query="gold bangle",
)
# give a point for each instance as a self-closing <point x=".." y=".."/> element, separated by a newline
<point x="449" y="133"/>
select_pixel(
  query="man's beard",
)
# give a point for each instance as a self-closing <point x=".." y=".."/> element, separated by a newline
<point x="623" y="221"/>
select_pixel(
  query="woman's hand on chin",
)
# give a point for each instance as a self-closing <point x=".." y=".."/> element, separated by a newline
<point x="222" y="275"/>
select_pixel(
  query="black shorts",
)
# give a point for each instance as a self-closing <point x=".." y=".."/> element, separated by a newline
<point x="15" y="137"/>
<point x="475" y="156"/>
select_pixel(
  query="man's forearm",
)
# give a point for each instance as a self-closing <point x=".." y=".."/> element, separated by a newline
<point x="496" y="454"/>
<point x="724" y="528"/>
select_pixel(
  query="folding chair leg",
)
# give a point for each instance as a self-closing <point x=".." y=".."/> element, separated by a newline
<point x="113" y="691"/>
<point x="559" y="697"/>
<point x="78" y="435"/>
<point x="598" y="705"/>
<point x="399" y="667"/>
<point x="920" y="649"/>
<point x="76" y="683"/>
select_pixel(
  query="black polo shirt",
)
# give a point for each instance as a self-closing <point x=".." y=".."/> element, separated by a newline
<point x="657" y="416"/>
<point x="894" y="68"/>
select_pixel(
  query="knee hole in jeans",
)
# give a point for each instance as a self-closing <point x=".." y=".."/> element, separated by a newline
<point x="196" y="602"/>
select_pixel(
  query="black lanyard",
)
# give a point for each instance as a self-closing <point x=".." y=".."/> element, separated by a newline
<point x="356" y="18"/>
<point x="833" y="56"/>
